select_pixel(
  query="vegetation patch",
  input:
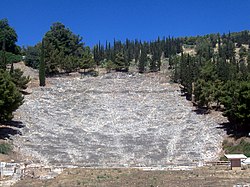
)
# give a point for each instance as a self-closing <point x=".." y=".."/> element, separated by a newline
<point x="243" y="147"/>
<point x="5" y="148"/>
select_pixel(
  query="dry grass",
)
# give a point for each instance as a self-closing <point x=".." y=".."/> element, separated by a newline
<point x="140" y="178"/>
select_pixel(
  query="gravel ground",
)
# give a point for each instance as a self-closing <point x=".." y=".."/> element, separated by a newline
<point x="116" y="120"/>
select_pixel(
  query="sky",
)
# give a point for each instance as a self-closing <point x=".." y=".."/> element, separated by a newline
<point x="101" y="20"/>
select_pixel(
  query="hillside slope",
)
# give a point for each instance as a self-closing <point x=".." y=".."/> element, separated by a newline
<point x="116" y="120"/>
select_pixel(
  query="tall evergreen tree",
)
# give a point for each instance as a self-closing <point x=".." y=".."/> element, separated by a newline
<point x="63" y="49"/>
<point x="42" y="67"/>
<point x="142" y="61"/>
<point x="8" y="37"/>
<point x="3" y="62"/>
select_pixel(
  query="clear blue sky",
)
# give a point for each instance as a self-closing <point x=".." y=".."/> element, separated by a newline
<point x="103" y="20"/>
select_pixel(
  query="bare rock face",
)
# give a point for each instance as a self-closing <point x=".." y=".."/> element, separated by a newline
<point x="115" y="120"/>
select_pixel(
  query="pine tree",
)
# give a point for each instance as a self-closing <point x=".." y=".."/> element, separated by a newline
<point x="109" y="65"/>
<point x="87" y="61"/>
<point x="63" y="49"/>
<point x="236" y="99"/>
<point x="10" y="97"/>
<point x="120" y="63"/>
<point x="42" y="67"/>
<point x="19" y="80"/>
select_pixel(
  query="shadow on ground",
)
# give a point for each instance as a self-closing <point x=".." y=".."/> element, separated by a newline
<point x="233" y="131"/>
<point x="10" y="128"/>
<point x="201" y="111"/>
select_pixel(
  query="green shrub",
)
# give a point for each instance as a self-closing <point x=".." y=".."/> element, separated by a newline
<point x="243" y="147"/>
<point x="19" y="80"/>
<point x="5" y="148"/>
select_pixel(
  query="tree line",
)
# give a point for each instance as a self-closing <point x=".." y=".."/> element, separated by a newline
<point x="218" y="76"/>
<point x="65" y="52"/>
<point x="145" y="56"/>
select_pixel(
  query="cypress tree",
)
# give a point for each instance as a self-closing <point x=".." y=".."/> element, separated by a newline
<point x="3" y="60"/>
<point x="142" y="61"/>
<point x="42" y="67"/>
<point x="12" y="68"/>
